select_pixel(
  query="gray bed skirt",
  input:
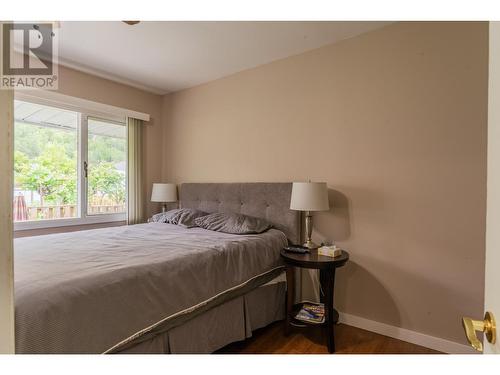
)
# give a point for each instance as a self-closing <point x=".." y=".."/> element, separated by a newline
<point x="229" y="322"/>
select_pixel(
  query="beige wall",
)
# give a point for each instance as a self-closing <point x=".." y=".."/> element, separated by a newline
<point x="395" y="122"/>
<point x="65" y="229"/>
<point x="82" y="85"/>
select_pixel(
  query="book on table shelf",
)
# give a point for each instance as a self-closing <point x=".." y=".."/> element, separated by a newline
<point x="311" y="312"/>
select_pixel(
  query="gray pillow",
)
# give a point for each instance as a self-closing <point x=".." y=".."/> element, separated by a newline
<point x="186" y="217"/>
<point x="163" y="217"/>
<point x="233" y="223"/>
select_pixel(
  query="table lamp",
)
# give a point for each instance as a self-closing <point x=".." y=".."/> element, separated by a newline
<point x="164" y="193"/>
<point x="309" y="196"/>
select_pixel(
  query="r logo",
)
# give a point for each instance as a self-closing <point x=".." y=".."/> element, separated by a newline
<point x="27" y="49"/>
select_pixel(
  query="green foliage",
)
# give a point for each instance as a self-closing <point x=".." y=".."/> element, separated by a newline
<point x="21" y="164"/>
<point x="106" y="149"/>
<point x="31" y="140"/>
<point x="52" y="174"/>
<point x="106" y="181"/>
<point x="45" y="161"/>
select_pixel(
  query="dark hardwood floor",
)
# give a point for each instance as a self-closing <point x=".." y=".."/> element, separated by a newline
<point x="272" y="340"/>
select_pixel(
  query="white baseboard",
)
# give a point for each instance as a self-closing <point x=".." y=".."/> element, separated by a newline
<point x="413" y="337"/>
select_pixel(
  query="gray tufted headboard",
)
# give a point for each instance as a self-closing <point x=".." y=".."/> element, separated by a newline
<point x="267" y="200"/>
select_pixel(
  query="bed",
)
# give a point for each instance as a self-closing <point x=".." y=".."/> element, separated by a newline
<point x="156" y="288"/>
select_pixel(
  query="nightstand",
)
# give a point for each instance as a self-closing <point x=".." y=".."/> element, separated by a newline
<point x="326" y="266"/>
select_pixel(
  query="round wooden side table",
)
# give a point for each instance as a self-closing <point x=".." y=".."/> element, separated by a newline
<point x="326" y="266"/>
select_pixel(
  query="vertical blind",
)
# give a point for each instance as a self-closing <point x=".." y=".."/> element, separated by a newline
<point x="135" y="191"/>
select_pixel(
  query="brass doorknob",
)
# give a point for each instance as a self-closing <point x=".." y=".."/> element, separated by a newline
<point x="488" y="326"/>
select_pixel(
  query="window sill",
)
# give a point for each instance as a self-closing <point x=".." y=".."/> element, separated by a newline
<point x="42" y="224"/>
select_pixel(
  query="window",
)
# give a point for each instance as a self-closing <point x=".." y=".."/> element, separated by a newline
<point x="69" y="167"/>
<point x="106" y="168"/>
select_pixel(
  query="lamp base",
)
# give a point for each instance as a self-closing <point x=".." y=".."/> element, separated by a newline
<point x="310" y="245"/>
<point x="309" y="224"/>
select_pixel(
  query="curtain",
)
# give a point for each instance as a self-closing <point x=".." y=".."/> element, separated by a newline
<point x="134" y="166"/>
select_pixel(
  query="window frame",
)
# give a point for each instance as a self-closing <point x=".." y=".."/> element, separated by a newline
<point x="83" y="152"/>
<point x="114" y="115"/>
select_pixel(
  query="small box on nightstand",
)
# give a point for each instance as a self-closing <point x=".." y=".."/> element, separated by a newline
<point x="330" y="251"/>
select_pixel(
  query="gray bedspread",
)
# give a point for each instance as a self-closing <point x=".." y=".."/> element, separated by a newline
<point x="91" y="291"/>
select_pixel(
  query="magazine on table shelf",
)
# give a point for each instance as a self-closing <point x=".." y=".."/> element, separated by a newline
<point x="311" y="312"/>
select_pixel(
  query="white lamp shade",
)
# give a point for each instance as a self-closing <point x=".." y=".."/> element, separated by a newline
<point x="164" y="193"/>
<point x="309" y="196"/>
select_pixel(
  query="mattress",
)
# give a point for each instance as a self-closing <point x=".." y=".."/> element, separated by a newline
<point x="100" y="290"/>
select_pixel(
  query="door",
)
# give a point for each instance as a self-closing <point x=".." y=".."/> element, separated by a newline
<point x="6" y="255"/>
<point x="490" y="343"/>
<point x="492" y="274"/>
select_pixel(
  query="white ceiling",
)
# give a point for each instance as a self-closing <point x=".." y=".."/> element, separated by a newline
<point x="163" y="57"/>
